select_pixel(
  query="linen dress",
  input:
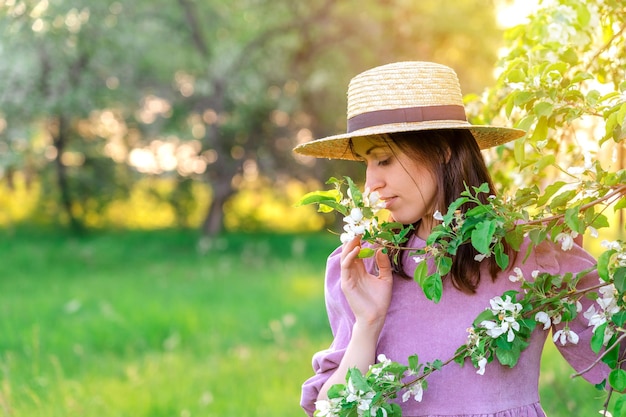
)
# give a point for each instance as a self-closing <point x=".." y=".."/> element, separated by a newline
<point x="416" y="325"/>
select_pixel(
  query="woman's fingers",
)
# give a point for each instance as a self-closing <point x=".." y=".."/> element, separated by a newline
<point x="384" y="265"/>
<point x="350" y="252"/>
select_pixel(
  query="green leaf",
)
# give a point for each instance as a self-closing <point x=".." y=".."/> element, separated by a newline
<point x="329" y="206"/>
<point x="603" y="265"/>
<point x="515" y="238"/>
<point x="570" y="56"/>
<point x="413" y="362"/>
<point x="572" y="220"/>
<point x="444" y="265"/>
<point x="516" y="76"/>
<point x="502" y="259"/>
<point x="433" y="287"/>
<point x="619" y="279"/>
<point x="549" y="192"/>
<point x="617" y="379"/>
<point x="611" y="357"/>
<point x="355" y="192"/>
<point x="336" y="391"/>
<point x="599" y="220"/>
<point x="620" y="204"/>
<point x="562" y="199"/>
<point x="420" y="273"/>
<point x="523" y="97"/>
<point x="485" y="315"/>
<point x="619" y="318"/>
<point x="508" y="357"/>
<point x="317" y="197"/>
<point x="359" y="381"/>
<point x="543" y="109"/>
<point x="545" y="161"/>
<point x="482" y="236"/>
<point x="597" y="339"/>
<point x="541" y="130"/>
<point x="437" y="364"/>
<point x="366" y="253"/>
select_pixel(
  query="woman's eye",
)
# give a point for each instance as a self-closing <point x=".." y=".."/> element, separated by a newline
<point x="384" y="162"/>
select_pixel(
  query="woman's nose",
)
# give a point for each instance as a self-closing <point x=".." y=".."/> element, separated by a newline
<point x="373" y="181"/>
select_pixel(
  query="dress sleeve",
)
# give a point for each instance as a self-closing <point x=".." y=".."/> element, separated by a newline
<point x="551" y="258"/>
<point x="341" y="322"/>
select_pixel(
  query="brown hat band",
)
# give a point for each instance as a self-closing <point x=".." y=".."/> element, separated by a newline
<point x="406" y="115"/>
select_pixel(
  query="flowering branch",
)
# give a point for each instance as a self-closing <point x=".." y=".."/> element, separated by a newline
<point x="502" y="331"/>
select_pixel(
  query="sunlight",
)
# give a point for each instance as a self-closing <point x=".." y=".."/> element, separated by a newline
<point x="511" y="13"/>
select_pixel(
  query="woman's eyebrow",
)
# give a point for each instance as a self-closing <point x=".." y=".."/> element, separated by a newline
<point x="369" y="151"/>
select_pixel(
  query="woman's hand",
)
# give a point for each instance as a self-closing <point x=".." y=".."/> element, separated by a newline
<point x="368" y="295"/>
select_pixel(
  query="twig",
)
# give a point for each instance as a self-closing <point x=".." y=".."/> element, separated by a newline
<point x="597" y="361"/>
<point x="619" y="190"/>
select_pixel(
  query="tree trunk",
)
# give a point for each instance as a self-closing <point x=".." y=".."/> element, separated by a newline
<point x="213" y="223"/>
<point x="59" y="139"/>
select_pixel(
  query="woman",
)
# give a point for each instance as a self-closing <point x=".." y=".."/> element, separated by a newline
<point x="407" y="123"/>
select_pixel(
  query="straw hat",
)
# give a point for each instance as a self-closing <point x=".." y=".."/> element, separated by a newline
<point x="404" y="97"/>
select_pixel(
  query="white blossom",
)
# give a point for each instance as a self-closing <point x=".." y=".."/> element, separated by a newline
<point x="356" y="215"/>
<point x="375" y="409"/>
<point x="328" y="408"/>
<point x="611" y="245"/>
<point x="356" y="223"/>
<point x="361" y="398"/>
<point x="482" y="362"/>
<point x="519" y="276"/>
<point x="416" y="391"/>
<point x="373" y="200"/>
<point x="480" y="257"/>
<point x="566" y="240"/>
<point x="500" y="305"/>
<point x="565" y="335"/>
<point x="418" y="259"/>
<point x="472" y="337"/>
<point x="506" y="312"/>
<point x="608" y="307"/>
<point x="543" y="317"/>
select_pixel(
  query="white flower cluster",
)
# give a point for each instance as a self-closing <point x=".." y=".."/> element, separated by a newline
<point x="328" y="408"/>
<point x="363" y="399"/>
<point x="332" y="407"/>
<point x="507" y="313"/>
<point x="563" y="29"/>
<point x="356" y="222"/>
<point x="608" y="307"/>
<point x="566" y="240"/>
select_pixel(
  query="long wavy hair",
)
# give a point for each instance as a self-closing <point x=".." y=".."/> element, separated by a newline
<point x="455" y="160"/>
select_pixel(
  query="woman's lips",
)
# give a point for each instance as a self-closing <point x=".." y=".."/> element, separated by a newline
<point x="389" y="201"/>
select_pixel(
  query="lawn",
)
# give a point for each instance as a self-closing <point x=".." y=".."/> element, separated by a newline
<point x="161" y="323"/>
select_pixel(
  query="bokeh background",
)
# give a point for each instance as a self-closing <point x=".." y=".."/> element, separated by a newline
<point x="152" y="262"/>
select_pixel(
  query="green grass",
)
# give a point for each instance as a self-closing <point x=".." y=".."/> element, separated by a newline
<point x="164" y="324"/>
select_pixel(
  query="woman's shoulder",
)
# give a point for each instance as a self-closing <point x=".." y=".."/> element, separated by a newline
<point x="553" y="257"/>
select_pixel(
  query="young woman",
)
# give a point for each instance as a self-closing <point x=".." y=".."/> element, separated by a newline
<point x="407" y="124"/>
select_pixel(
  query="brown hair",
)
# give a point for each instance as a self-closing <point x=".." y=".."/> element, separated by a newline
<point x="455" y="161"/>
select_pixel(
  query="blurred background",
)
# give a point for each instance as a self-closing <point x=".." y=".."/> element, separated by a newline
<point x="152" y="262"/>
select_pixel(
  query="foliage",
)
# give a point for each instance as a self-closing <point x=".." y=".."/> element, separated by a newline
<point x="105" y="324"/>
<point x="550" y="84"/>
<point x="97" y="95"/>
<point x="152" y="324"/>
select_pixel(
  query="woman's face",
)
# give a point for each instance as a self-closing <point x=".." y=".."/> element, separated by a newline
<point x="407" y="186"/>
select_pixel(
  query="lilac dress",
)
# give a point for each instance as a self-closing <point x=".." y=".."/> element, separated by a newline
<point x="416" y="325"/>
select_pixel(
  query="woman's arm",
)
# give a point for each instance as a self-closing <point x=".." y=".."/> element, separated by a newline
<point x="369" y="297"/>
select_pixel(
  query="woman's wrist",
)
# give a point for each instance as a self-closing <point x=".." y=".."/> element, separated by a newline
<point x="367" y="330"/>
